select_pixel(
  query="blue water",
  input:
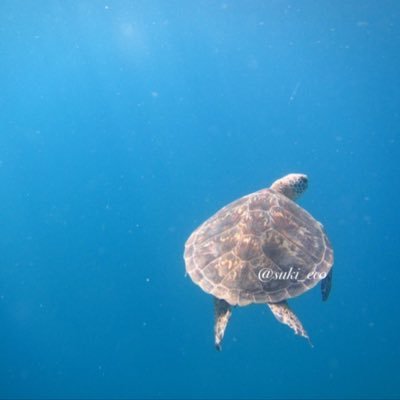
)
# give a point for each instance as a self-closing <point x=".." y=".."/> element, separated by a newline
<point x="124" y="125"/>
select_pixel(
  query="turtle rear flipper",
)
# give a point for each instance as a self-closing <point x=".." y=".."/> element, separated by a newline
<point x="223" y="312"/>
<point x="284" y="314"/>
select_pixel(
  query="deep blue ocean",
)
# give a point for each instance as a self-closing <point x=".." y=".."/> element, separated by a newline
<point x="124" y="125"/>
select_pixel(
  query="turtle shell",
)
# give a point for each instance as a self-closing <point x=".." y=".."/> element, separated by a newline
<point x="262" y="248"/>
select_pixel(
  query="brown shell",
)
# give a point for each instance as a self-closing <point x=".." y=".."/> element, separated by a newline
<point x="229" y="254"/>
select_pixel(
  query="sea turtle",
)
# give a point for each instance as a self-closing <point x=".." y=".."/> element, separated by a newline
<point x="262" y="248"/>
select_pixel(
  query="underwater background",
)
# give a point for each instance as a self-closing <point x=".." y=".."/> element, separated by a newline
<point x="126" y="124"/>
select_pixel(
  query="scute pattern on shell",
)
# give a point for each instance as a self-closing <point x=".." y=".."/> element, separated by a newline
<point x="262" y="230"/>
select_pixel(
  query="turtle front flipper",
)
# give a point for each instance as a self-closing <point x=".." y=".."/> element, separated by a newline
<point x="222" y="312"/>
<point x="326" y="286"/>
<point x="284" y="314"/>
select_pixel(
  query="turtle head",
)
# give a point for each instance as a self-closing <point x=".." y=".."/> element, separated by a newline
<point x="292" y="185"/>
